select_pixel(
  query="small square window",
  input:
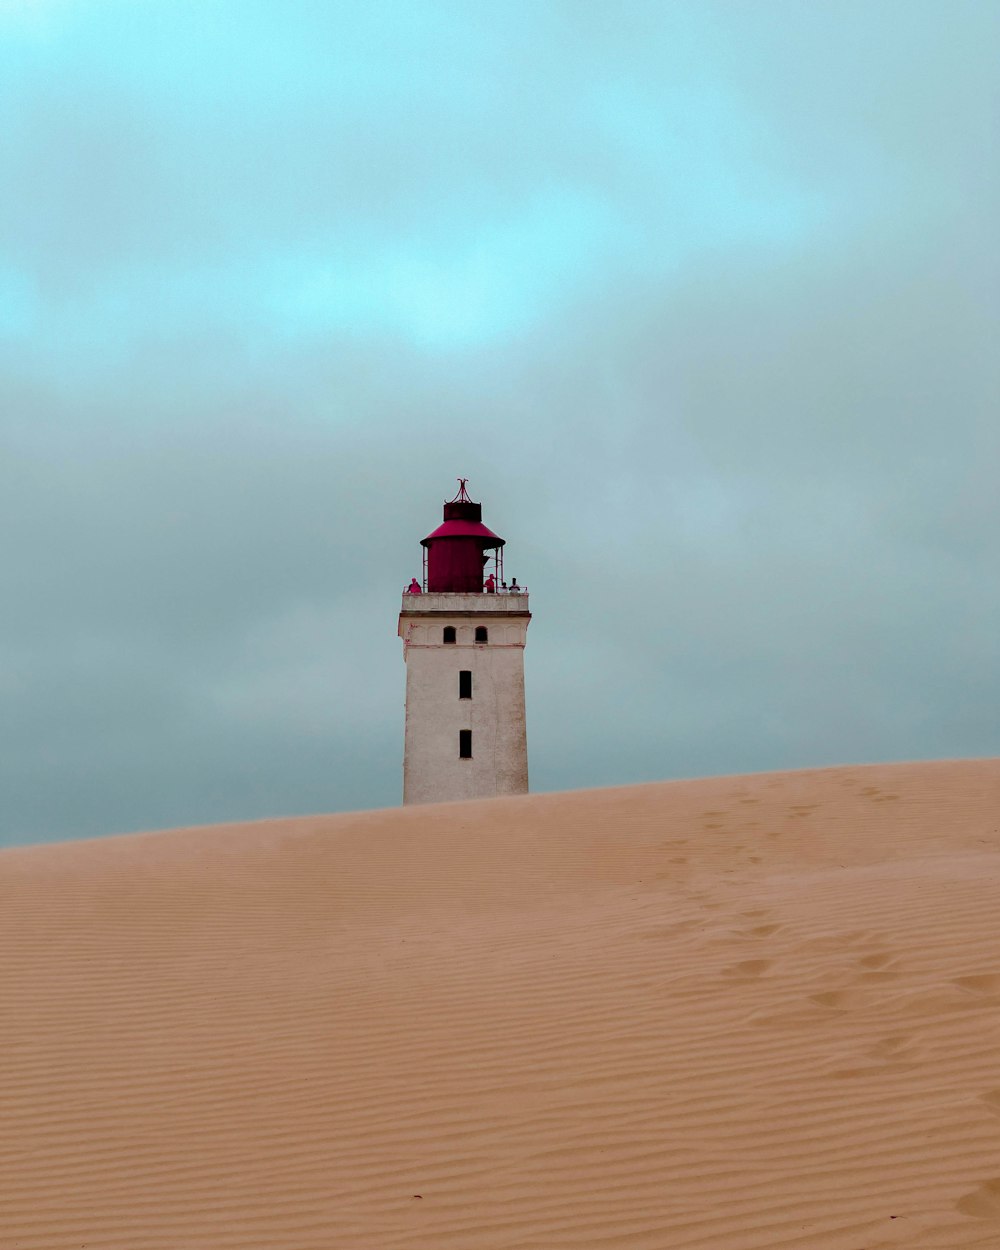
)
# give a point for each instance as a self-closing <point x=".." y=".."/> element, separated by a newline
<point x="449" y="633"/>
<point x="482" y="634"/>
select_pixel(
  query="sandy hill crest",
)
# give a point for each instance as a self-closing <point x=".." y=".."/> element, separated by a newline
<point x="734" y="1014"/>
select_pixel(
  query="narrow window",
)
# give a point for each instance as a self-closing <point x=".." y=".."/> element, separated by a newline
<point x="465" y="744"/>
<point x="482" y="634"/>
<point x="449" y="633"/>
<point x="465" y="684"/>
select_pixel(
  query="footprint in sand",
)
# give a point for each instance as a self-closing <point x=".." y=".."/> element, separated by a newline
<point x="879" y="966"/>
<point x="983" y="1203"/>
<point x="837" y="1000"/>
<point x="981" y="984"/>
<point x="747" y="969"/>
<point x="992" y="1100"/>
<point x="890" y="1053"/>
<point x="765" y="930"/>
<point x="892" y="1049"/>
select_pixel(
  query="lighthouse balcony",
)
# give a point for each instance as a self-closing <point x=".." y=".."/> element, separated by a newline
<point x="438" y="603"/>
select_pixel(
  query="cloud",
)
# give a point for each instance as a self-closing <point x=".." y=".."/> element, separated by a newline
<point x="703" y="300"/>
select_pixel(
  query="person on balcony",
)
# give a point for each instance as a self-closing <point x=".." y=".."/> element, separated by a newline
<point x="491" y="585"/>
<point x="414" y="587"/>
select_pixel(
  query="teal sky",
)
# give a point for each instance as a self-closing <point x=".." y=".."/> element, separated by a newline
<point x="449" y="174"/>
<point x="702" y="297"/>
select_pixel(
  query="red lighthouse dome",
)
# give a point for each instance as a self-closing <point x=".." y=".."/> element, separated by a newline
<point x="456" y="552"/>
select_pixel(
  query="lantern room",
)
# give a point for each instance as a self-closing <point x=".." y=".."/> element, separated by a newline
<point x="462" y="553"/>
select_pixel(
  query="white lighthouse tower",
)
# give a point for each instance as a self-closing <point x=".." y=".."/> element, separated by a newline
<point x="463" y="642"/>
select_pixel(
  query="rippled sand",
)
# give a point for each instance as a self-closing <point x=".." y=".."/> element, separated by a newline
<point x="733" y="1014"/>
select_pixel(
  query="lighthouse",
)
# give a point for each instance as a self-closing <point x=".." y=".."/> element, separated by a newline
<point x="463" y="633"/>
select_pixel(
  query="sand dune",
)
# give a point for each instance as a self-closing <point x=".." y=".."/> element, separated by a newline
<point x="726" y="1014"/>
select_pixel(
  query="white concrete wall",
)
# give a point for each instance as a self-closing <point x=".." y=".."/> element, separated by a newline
<point x="433" y="772"/>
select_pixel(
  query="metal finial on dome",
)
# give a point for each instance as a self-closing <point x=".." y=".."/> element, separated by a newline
<point x="463" y="495"/>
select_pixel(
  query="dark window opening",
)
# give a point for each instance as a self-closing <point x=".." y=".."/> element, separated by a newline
<point x="465" y="744"/>
<point x="482" y="634"/>
<point x="449" y="633"/>
<point x="465" y="684"/>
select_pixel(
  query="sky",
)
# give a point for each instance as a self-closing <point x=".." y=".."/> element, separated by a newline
<point x="702" y="298"/>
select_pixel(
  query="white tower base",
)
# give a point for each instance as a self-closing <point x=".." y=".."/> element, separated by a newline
<point x="438" y="718"/>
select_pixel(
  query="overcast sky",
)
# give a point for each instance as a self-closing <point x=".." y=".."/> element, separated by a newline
<point x="703" y="298"/>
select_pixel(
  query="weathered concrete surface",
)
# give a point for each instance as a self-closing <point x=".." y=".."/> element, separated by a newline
<point x="433" y="772"/>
